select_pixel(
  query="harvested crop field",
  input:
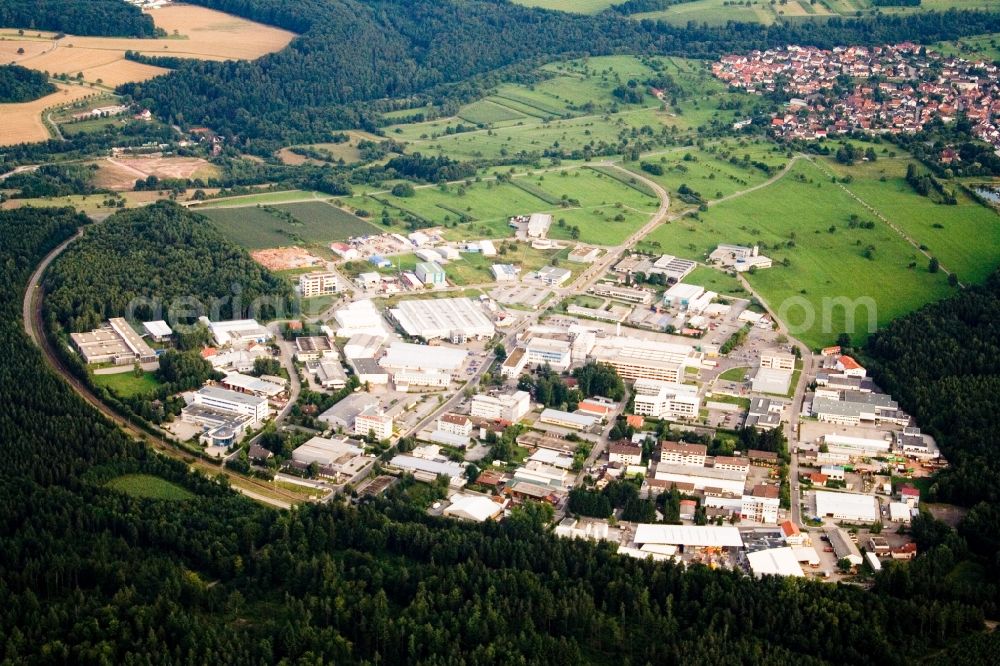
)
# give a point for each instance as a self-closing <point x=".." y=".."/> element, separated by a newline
<point x="120" y="173"/>
<point x="23" y="122"/>
<point x="285" y="258"/>
<point x="201" y="33"/>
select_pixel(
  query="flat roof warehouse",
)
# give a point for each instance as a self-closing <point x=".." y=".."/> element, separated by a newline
<point x="439" y="318"/>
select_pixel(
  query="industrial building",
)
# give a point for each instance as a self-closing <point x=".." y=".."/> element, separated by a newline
<point x="314" y="348"/>
<point x="329" y="373"/>
<point x="555" y="352"/>
<point x="628" y="294"/>
<point x="681" y="294"/>
<point x="682" y="453"/>
<point x="760" y="505"/>
<point x="368" y="371"/>
<point x="427" y="470"/>
<point x="854" y="407"/>
<point x="360" y="317"/>
<point x="363" y="345"/>
<point x="582" y="254"/>
<point x="665" y="400"/>
<point x="116" y="343"/>
<point x="257" y="386"/>
<point x="237" y="332"/>
<point x="771" y="380"/>
<point x="853" y="507"/>
<point x="538" y="225"/>
<point x="552" y="276"/>
<point x="842" y="545"/>
<point x="764" y="414"/>
<point x="404" y="379"/>
<point x="740" y="258"/>
<point x="342" y="414"/>
<point x="636" y="358"/>
<point x="327" y="452"/>
<point x="430" y="273"/>
<point x="443" y="318"/>
<point x="856" y="446"/>
<point x="504" y="272"/>
<point x="674" y="268"/>
<point x="474" y="508"/>
<point x="158" y="330"/>
<point x="687" y="536"/>
<point x="371" y="421"/>
<point x="514" y="364"/>
<point x="705" y="477"/>
<point x="319" y="284"/>
<point x="218" y="428"/>
<point x="211" y="397"/>
<point x="567" y="420"/>
<point x="403" y="356"/>
<point x="774" y="562"/>
<point x="510" y="407"/>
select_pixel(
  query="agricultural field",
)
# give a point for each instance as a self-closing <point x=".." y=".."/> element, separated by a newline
<point x="126" y="384"/>
<point x="195" y="32"/>
<point x="963" y="237"/>
<point x="347" y="150"/>
<point x="719" y="12"/>
<point x="804" y="218"/>
<point x="308" y="224"/>
<point x="575" y="111"/>
<point x="263" y="199"/>
<point x="147" y="486"/>
<point x="23" y="122"/>
<point x="120" y="173"/>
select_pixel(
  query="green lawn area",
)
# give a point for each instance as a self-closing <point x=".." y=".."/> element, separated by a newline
<point x="715" y="280"/>
<point x="312" y="224"/>
<point x="733" y="375"/>
<point x="964" y="237"/>
<point x="790" y="219"/>
<point x="149" y="487"/>
<point x="126" y="384"/>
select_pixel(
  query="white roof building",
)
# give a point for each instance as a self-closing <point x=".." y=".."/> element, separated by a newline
<point x="688" y="535"/>
<point x="538" y="225"/>
<point x="775" y="562"/>
<point x="476" y="508"/>
<point x="442" y="318"/>
<point x="407" y="356"/>
<point x="158" y="330"/>
<point x="237" y="332"/>
<point x="360" y="317"/>
<point x="326" y="452"/>
<point x="847" y="506"/>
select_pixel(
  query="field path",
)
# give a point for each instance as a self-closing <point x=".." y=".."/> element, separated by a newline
<point x="874" y="211"/>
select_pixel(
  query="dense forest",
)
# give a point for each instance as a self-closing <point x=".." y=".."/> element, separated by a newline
<point x="160" y="256"/>
<point x="52" y="180"/>
<point x="943" y="365"/>
<point x="19" y="84"/>
<point x="112" y="18"/>
<point x="353" y="52"/>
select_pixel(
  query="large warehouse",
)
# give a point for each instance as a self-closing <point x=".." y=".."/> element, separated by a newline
<point x="695" y="536"/>
<point x="847" y="506"/>
<point x="403" y="356"/>
<point x="443" y="318"/>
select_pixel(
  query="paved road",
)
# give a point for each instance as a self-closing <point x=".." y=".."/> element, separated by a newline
<point x="31" y="311"/>
<point x="288" y="362"/>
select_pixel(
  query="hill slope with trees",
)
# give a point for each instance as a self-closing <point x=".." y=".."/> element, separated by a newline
<point x="18" y="84"/>
<point x="161" y="253"/>
<point x="110" y="18"/>
<point x="353" y="52"/>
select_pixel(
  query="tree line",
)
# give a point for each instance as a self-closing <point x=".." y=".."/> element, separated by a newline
<point x="111" y="18"/>
<point x="20" y="84"/>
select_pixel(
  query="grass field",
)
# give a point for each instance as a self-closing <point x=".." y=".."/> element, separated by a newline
<point x="790" y="219"/>
<point x="718" y="12"/>
<point x="264" y="198"/>
<point x="733" y="375"/>
<point x="965" y="237"/>
<point x="313" y="223"/>
<point x="717" y="281"/>
<point x="126" y="384"/>
<point x="147" y="486"/>
<point x="978" y="47"/>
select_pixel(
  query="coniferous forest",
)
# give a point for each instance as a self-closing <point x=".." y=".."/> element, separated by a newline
<point x="112" y="18"/>
<point x="93" y="575"/>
